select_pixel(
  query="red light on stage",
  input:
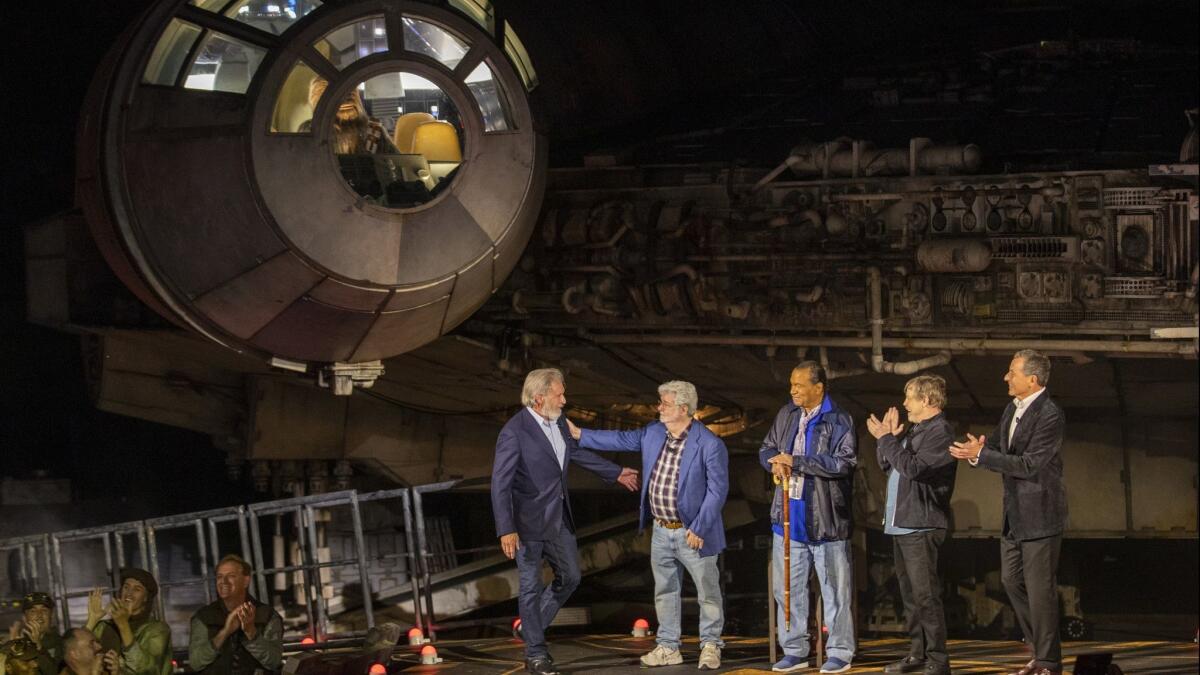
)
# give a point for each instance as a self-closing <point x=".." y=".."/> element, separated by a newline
<point x="825" y="630"/>
<point x="377" y="669"/>
<point x="517" y="623"/>
<point x="308" y="640"/>
<point x="174" y="663"/>
<point x="415" y="636"/>
<point x="429" y="655"/>
<point x="641" y="623"/>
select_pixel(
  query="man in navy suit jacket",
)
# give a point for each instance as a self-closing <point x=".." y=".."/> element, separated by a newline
<point x="687" y="478"/>
<point x="532" y="506"/>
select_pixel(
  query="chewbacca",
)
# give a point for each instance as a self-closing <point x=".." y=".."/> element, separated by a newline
<point x="353" y="132"/>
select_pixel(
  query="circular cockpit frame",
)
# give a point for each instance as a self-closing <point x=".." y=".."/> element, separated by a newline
<point x="244" y="230"/>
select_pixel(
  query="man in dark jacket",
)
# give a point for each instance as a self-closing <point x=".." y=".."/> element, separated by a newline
<point x="1026" y="450"/>
<point x="811" y="448"/>
<point x="236" y="634"/>
<point x="920" y="482"/>
<point x="532" y="507"/>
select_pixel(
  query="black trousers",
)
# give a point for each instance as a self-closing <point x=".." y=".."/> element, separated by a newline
<point x="916" y="559"/>
<point x="1029" y="570"/>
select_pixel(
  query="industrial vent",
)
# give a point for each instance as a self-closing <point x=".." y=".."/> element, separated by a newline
<point x="1159" y="316"/>
<point x="1041" y="314"/>
<point x="1132" y="198"/>
<point x="1076" y="314"/>
<point x="1133" y="287"/>
<point x="1035" y="248"/>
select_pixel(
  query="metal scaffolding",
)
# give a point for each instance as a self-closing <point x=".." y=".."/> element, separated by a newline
<point x="43" y="563"/>
<point x="68" y="563"/>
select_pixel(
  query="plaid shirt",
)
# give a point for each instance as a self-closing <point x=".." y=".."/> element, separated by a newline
<point x="664" y="479"/>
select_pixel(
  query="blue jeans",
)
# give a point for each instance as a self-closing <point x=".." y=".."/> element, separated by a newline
<point x="538" y="602"/>
<point x="832" y="562"/>
<point x="669" y="556"/>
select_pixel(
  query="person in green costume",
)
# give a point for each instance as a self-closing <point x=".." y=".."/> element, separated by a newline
<point x="143" y="642"/>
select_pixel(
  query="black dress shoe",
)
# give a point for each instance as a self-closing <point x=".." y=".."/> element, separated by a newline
<point x="542" y="665"/>
<point x="908" y="664"/>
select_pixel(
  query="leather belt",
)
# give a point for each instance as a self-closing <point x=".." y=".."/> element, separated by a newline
<point x="669" y="524"/>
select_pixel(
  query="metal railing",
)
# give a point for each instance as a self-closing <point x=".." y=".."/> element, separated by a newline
<point x="45" y="563"/>
<point x="430" y="558"/>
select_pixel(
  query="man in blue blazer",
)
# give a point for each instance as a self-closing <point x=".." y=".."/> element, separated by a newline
<point x="532" y="506"/>
<point x="687" y="478"/>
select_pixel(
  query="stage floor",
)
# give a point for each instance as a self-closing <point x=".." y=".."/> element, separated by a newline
<point x="614" y="654"/>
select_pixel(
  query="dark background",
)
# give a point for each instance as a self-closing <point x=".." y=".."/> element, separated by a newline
<point x="612" y="73"/>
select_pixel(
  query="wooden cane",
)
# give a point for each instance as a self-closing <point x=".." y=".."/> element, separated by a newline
<point x="787" y="552"/>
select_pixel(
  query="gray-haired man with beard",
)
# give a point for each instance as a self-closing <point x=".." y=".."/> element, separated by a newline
<point x="532" y="506"/>
<point x="917" y="516"/>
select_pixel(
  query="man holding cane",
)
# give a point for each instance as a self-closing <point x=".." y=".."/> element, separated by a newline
<point x="811" y="451"/>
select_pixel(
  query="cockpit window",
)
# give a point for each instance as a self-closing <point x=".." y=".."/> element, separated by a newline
<point x="169" y="54"/>
<point x="210" y="5"/>
<point x="354" y="41"/>
<point x="433" y="41"/>
<point x="480" y="11"/>
<point x="397" y="138"/>
<point x="519" y="57"/>
<point x="272" y="16"/>
<point x="490" y="98"/>
<point x="297" y="100"/>
<point x="224" y="64"/>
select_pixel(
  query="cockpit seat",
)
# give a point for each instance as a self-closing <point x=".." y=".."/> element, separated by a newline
<point x="406" y="124"/>
<point x="438" y="142"/>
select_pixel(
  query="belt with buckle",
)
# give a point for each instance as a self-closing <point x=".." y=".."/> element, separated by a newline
<point x="669" y="524"/>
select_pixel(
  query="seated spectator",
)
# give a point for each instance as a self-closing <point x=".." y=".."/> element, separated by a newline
<point x="37" y="625"/>
<point x="84" y="655"/>
<point x="236" y="634"/>
<point x="144" y="643"/>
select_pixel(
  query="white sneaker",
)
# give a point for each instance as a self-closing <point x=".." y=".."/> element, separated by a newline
<point x="710" y="657"/>
<point x="662" y="656"/>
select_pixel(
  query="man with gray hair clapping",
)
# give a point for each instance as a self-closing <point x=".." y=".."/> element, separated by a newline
<point x="1026" y="449"/>
<point x="688" y="470"/>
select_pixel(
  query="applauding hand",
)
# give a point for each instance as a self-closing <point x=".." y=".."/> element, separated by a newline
<point x="968" y="449"/>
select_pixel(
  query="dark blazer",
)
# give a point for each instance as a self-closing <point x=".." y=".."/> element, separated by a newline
<point x="529" y="489"/>
<point x="703" y="475"/>
<point x="927" y="472"/>
<point x="1035" y="501"/>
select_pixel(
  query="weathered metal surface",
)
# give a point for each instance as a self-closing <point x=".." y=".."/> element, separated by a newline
<point x="227" y="228"/>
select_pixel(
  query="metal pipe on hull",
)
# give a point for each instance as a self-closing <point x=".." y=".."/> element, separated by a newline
<point x="955" y="345"/>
